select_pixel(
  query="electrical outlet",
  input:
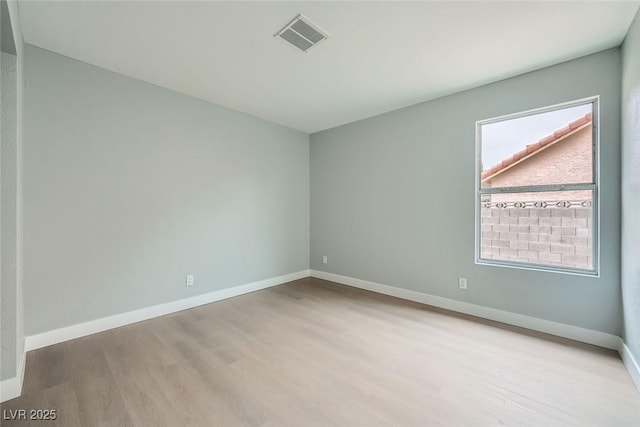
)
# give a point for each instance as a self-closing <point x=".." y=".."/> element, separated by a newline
<point x="189" y="281"/>
<point x="462" y="283"/>
<point x="325" y="260"/>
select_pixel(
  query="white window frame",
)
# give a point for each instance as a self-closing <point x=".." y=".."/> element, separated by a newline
<point x="594" y="186"/>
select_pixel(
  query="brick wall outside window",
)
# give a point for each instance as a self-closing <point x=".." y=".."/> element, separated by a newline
<point x="550" y="236"/>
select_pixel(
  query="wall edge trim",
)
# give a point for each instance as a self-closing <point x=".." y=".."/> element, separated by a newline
<point x="589" y="336"/>
<point x="55" y="336"/>
<point x="12" y="387"/>
<point x="630" y="362"/>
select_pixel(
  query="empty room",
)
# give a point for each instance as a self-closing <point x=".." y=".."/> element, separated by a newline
<point x="310" y="214"/>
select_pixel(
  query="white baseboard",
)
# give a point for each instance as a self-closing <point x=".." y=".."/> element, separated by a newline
<point x="67" y="333"/>
<point x="631" y="363"/>
<point x="12" y="387"/>
<point x="576" y="333"/>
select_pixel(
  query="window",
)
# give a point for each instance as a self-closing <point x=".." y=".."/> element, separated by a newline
<point x="536" y="189"/>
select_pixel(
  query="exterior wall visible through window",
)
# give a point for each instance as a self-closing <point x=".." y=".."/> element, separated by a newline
<point x="537" y="199"/>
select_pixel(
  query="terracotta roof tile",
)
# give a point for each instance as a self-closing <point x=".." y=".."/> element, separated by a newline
<point x="519" y="155"/>
<point x="532" y="149"/>
<point x="548" y="139"/>
<point x="565" y="130"/>
<point x="507" y="162"/>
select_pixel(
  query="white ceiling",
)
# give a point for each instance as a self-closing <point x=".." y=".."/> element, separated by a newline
<point x="381" y="55"/>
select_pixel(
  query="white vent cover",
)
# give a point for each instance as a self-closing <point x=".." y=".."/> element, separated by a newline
<point x="302" y="33"/>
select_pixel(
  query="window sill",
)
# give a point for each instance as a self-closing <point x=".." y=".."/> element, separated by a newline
<point x="539" y="267"/>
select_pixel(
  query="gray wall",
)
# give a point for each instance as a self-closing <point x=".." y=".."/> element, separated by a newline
<point x="631" y="187"/>
<point x="8" y="229"/>
<point x="129" y="187"/>
<point x="11" y="307"/>
<point x="393" y="198"/>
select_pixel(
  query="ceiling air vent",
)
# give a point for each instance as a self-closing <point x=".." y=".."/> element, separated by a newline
<point x="302" y="33"/>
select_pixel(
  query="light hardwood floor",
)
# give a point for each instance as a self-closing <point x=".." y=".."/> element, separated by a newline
<point x="314" y="353"/>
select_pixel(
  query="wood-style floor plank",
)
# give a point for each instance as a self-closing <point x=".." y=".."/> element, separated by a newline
<point x="312" y="353"/>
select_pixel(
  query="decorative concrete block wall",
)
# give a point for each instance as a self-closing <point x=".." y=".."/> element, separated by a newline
<point x="550" y="235"/>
